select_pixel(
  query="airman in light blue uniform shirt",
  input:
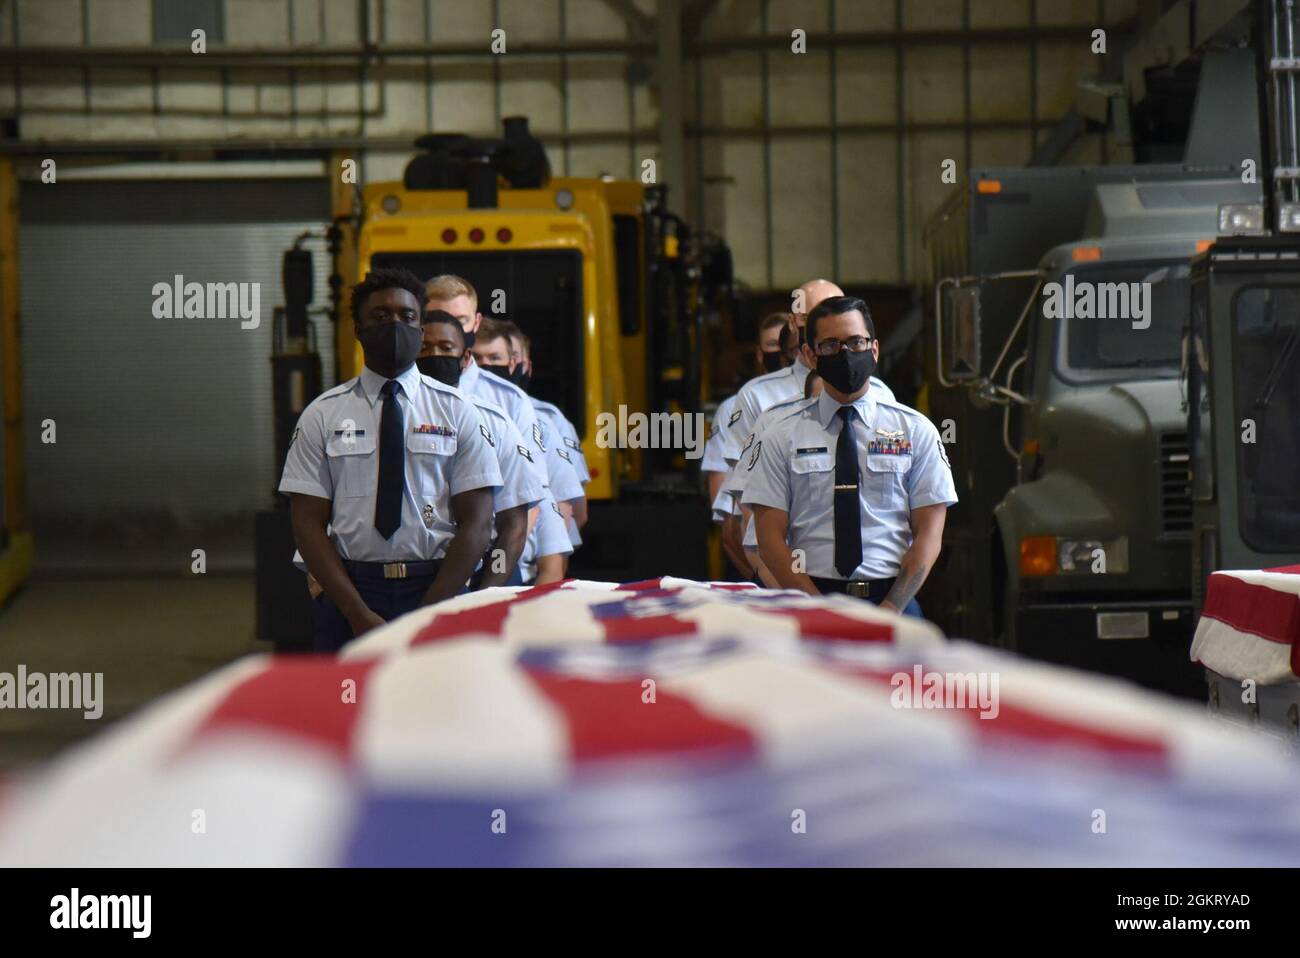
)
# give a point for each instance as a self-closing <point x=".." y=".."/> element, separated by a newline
<point x="792" y="468"/>
<point x="520" y="485"/>
<point x="719" y="450"/>
<point x="334" y="455"/>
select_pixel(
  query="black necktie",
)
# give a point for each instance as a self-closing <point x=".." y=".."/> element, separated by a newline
<point x="392" y="465"/>
<point x="848" y="506"/>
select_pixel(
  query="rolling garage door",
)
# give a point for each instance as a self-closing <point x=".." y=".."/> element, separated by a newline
<point x="163" y="426"/>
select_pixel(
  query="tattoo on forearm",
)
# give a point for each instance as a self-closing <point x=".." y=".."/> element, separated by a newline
<point x="906" y="586"/>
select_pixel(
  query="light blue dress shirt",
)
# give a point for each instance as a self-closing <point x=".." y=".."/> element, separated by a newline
<point x="334" y="455"/>
<point x="902" y="466"/>
<point x="763" y="392"/>
<point x="720" y="450"/>
<point x="547" y="537"/>
<point x="568" y="441"/>
<point x="520" y="485"/>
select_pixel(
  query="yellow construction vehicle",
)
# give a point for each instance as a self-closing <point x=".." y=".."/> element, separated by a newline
<point x="609" y="285"/>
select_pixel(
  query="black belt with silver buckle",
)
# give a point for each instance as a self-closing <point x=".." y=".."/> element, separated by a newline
<point x="858" y="588"/>
<point x="392" y="570"/>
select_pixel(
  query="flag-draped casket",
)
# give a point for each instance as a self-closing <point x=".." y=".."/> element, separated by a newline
<point x="659" y="723"/>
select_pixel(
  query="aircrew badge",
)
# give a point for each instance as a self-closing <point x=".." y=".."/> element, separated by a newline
<point x="427" y="514"/>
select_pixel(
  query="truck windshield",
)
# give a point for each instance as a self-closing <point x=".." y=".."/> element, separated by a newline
<point x="1266" y="400"/>
<point x="1119" y="322"/>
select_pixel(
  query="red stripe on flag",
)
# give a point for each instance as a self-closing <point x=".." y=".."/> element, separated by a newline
<point x="610" y="720"/>
<point x="1256" y="609"/>
<point x="634" y="628"/>
<point x="488" y="618"/>
<point x="298" y="696"/>
<point x="1288" y="569"/>
<point x="1017" y="723"/>
<point x="640" y="585"/>
<point x="828" y="624"/>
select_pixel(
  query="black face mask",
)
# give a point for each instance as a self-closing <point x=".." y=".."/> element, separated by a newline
<point x="774" y="360"/>
<point x="521" y="378"/>
<point x="469" y="338"/>
<point x="846" y="371"/>
<point x="502" y="371"/>
<point x="445" y="369"/>
<point x="390" y="347"/>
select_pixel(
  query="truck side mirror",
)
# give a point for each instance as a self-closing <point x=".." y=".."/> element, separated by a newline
<point x="959" y="332"/>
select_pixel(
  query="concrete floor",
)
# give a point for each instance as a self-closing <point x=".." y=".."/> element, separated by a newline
<point x="147" y="636"/>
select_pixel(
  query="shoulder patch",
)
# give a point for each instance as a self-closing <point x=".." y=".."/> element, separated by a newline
<point x="565" y="456"/>
<point x="943" y="453"/>
<point x="736" y="414"/>
<point x="571" y="443"/>
<point x="537" y="437"/>
<point x="753" y="460"/>
<point x="523" y="451"/>
<point x="487" y="435"/>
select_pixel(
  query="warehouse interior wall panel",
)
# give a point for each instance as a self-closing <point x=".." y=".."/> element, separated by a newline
<point x="139" y="477"/>
<point x="868" y="211"/>
<point x="802" y="218"/>
<point x="598" y="111"/>
<point x="931" y="14"/>
<point x="866" y="86"/>
<point x="1003" y="13"/>
<point x="1000" y="83"/>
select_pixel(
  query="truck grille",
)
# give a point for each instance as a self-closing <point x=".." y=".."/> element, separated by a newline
<point x="1175" y="483"/>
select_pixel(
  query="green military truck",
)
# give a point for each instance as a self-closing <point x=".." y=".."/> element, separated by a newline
<point x="1060" y="297"/>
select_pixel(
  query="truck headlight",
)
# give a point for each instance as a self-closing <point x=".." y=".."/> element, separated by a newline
<point x="1057" y="555"/>
<point x="1241" y="219"/>
<point x="1288" y="218"/>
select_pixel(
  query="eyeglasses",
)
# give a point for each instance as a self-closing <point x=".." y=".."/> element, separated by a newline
<point x="831" y="347"/>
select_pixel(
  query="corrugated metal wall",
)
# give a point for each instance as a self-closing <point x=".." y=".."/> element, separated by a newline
<point x="164" y="427"/>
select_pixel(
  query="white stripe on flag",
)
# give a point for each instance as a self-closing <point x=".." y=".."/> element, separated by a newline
<point x="458" y="715"/>
<point x="1240" y="655"/>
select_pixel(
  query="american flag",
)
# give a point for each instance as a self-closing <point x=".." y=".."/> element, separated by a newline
<point x="659" y="723"/>
<point x="1250" y="625"/>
